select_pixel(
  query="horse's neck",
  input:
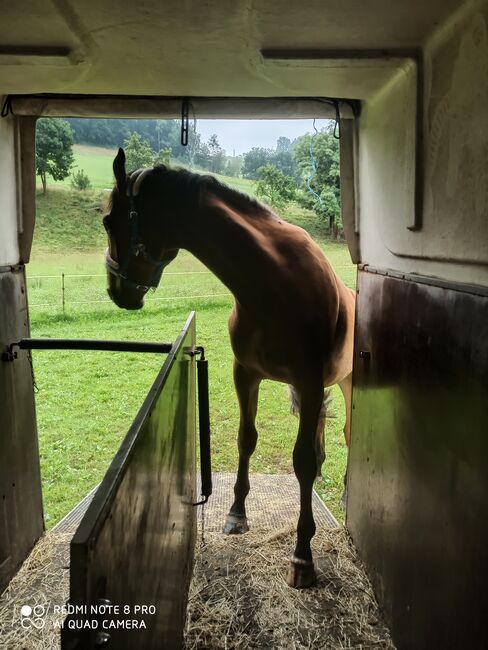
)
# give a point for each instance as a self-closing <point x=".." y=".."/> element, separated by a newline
<point x="234" y="246"/>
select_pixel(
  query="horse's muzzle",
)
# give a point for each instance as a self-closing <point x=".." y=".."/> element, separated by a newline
<point x="126" y="302"/>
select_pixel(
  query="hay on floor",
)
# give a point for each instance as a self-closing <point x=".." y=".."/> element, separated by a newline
<point x="239" y="599"/>
<point x="238" y="596"/>
<point x="41" y="583"/>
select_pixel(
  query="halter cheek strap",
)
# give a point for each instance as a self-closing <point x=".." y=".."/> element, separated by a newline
<point x="137" y="248"/>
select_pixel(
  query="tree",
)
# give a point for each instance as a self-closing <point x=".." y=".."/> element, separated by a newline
<point x="284" y="161"/>
<point x="54" y="149"/>
<point x="233" y="166"/>
<point x="325" y="179"/>
<point x="163" y="157"/>
<point x="283" y="144"/>
<point x="253" y="160"/>
<point x="217" y="155"/>
<point x="168" y="134"/>
<point x="138" y="152"/>
<point x="274" y="187"/>
<point x="198" y="152"/>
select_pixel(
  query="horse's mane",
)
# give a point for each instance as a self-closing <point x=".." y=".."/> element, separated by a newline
<point x="195" y="186"/>
<point x="190" y="187"/>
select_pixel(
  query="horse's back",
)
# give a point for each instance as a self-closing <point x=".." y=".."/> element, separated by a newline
<point x="303" y="323"/>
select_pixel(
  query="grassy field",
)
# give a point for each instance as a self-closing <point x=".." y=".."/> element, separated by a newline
<point x="86" y="401"/>
<point x="96" y="162"/>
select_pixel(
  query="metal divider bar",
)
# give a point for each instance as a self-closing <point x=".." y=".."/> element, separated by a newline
<point x="85" y="344"/>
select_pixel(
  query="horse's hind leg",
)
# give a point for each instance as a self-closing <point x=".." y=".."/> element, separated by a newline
<point x="247" y="388"/>
<point x="346" y="388"/>
<point x="301" y="572"/>
<point x="320" y="433"/>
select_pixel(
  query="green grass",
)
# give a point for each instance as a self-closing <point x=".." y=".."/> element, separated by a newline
<point x="69" y="220"/>
<point x="96" y="162"/>
<point x="86" y="401"/>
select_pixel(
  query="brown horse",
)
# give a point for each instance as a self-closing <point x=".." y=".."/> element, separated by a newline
<point x="292" y="320"/>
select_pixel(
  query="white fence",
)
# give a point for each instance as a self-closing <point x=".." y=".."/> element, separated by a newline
<point x="70" y="292"/>
<point x="67" y="292"/>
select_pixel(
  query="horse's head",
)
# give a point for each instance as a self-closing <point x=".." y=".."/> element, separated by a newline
<point x="138" y="249"/>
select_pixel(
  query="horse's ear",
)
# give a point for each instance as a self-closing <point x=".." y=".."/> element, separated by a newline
<point x="119" y="170"/>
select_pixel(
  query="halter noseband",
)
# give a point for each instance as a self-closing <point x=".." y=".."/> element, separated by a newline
<point x="137" y="248"/>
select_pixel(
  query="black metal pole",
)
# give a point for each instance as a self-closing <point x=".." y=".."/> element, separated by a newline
<point x="204" y="422"/>
<point x="91" y="344"/>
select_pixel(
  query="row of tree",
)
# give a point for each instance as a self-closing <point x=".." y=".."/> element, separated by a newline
<point x="157" y="135"/>
<point x="55" y="137"/>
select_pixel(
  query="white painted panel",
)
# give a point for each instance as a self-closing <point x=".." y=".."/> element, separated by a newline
<point x="9" y="249"/>
<point x="456" y="169"/>
<point x="452" y="242"/>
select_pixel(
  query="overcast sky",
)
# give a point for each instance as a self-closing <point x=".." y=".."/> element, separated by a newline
<point x="242" y="135"/>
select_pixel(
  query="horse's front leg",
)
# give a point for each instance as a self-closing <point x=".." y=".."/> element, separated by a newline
<point x="301" y="572"/>
<point x="247" y="387"/>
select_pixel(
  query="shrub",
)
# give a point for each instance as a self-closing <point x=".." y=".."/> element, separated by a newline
<point x="80" y="180"/>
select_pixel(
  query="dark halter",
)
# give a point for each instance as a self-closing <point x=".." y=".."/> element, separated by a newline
<point x="137" y="248"/>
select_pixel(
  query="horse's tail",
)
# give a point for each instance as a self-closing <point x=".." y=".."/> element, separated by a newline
<point x="295" y="400"/>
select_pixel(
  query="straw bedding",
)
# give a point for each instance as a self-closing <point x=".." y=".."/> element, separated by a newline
<point x="238" y="596"/>
<point x="42" y="582"/>
<point x="239" y="599"/>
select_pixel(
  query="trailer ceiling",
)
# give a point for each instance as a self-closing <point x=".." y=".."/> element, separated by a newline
<point x="261" y="48"/>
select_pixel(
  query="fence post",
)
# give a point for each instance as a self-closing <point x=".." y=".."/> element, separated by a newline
<point x="62" y="289"/>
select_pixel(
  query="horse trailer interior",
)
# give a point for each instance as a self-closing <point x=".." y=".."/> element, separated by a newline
<point x="408" y="83"/>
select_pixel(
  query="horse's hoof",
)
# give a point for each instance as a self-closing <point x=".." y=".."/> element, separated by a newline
<point x="343" y="501"/>
<point x="236" y="524"/>
<point x="300" y="574"/>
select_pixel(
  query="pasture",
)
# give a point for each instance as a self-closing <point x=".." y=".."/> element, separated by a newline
<point x="87" y="400"/>
<point x="97" y="164"/>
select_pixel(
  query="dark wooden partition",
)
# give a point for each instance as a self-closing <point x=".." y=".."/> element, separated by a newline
<point x="134" y="546"/>
<point x="21" y="517"/>
<point x="418" y="481"/>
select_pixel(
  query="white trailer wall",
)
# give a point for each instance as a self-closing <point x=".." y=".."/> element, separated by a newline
<point x="21" y="516"/>
<point x="451" y="240"/>
<point x="9" y="247"/>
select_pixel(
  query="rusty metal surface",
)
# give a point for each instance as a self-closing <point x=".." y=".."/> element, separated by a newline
<point x="134" y="545"/>
<point x="273" y="502"/>
<point x="21" y="516"/>
<point x="418" y="479"/>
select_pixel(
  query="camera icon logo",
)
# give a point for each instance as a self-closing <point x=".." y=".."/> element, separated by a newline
<point x="33" y="617"/>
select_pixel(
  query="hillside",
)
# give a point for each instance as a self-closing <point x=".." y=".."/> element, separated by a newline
<point x="69" y="220"/>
